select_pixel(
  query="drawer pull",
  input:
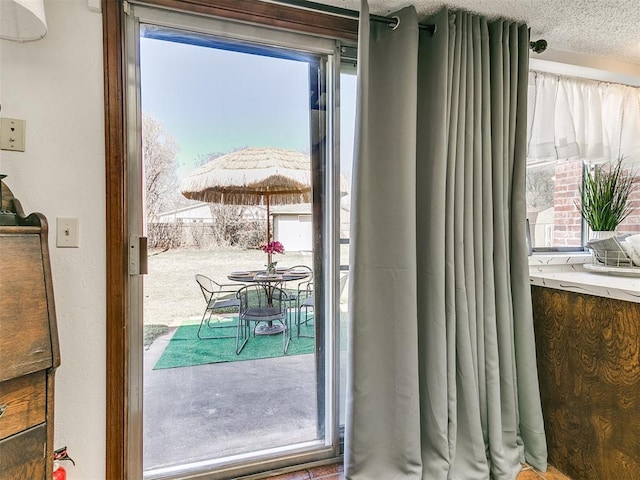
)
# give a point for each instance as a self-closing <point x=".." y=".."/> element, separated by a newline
<point x="3" y="408"/>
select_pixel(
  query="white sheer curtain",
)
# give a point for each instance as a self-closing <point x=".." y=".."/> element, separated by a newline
<point x="571" y="117"/>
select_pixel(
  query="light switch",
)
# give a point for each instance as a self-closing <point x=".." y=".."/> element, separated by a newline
<point x="67" y="234"/>
<point x="12" y="134"/>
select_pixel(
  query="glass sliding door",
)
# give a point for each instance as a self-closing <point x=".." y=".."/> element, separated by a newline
<point x="203" y="92"/>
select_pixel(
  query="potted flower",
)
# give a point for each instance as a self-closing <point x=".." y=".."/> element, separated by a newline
<point x="271" y="248"/>
<point x="604" y="197"/>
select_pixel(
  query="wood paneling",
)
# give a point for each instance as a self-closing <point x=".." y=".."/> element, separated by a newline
<point x="588" y="352"/>
<point x="271" y="14"/>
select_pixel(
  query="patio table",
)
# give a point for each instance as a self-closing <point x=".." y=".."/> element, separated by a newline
<point x="268" y="281"/>
<point x="260" y="276"/>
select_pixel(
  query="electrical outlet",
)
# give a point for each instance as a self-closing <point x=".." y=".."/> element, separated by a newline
<point x="12" y="134"/>
<point x="67" y="234"/>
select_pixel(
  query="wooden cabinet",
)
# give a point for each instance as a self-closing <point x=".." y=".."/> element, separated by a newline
<point x="29" y="352"/>
<point x="588" y="351"/>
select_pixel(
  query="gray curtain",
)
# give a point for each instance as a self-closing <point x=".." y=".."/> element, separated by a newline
<point x="442" y="380"/>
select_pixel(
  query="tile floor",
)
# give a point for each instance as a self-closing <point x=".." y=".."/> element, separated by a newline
<point x="335" y="472"/>
<point x="530" y="473"/>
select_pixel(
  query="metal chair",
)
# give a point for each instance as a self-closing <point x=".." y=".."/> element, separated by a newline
<point x="305" y="301"/>
<point x="220" y="298"/>
<point x="307" y="277"/>
<point x="263" y="304"/>
<point x="306" y="274"/>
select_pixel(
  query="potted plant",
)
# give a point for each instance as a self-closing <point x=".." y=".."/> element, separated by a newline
<point x="604" y="196"/>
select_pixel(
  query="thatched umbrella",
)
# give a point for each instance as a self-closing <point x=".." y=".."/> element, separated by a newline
<point x="252" y="176"/>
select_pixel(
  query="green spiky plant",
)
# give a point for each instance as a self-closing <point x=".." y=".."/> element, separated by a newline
<point x="605" y="196"/>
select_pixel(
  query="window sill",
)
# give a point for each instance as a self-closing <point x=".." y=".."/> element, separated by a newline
<point x="558" y="261"/>
<point x="566" y="272"/>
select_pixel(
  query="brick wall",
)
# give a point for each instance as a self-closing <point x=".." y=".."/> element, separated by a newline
<point x="567" y="230"/>
<point x="632" y="222"/>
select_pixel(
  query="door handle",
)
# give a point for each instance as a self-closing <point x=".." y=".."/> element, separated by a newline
<point x="138" y="263"/>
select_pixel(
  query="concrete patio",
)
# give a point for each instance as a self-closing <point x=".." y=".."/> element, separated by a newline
<point x="211" y="411"/>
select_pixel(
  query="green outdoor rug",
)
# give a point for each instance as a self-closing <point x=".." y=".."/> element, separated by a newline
<point x="185" y="349"/>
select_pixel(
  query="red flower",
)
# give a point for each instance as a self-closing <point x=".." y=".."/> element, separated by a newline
<point x="273" y="247"/>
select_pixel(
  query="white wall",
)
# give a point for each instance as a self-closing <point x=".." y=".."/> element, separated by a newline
<point x="294" y="231"/>
<point x="586" y="66"/>
<point x="56" y="85"/>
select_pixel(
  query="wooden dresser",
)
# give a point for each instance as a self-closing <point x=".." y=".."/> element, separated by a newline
<point x="29" y="352"/>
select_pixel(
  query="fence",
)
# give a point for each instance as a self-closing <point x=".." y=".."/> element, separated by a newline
<point x="247" y="233"/>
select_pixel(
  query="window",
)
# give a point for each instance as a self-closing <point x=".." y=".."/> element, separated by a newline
<point x="573" y="125"/>
<point x="183" y="430"/>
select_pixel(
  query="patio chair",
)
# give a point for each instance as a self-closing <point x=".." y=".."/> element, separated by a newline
<point x="302" y="285"/>
<point x="264" y="305"/>
<point x="219" y="298"/>
<point x="306" y="302"/>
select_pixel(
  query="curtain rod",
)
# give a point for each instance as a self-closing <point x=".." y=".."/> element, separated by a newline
<point x="538" y="46"/>
<point x="392" y="22"/>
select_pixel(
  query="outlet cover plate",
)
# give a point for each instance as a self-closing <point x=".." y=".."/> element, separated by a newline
<point x="12" y="134"/>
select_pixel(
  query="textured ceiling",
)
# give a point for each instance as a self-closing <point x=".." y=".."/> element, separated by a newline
<point x="604" y="28"/>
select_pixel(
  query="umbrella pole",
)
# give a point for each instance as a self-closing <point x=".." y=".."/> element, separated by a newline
<point x="268" y="219"/>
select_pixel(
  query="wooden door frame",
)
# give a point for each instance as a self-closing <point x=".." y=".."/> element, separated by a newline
<point x="117" y="239"/>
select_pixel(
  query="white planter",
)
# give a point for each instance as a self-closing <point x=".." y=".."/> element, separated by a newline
<point x="601" y="235"/>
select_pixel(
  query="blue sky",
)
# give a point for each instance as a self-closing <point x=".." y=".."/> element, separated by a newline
<point x="215" y="100"/>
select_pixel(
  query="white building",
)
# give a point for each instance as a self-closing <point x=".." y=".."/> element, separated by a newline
<point x="293" y="226"/>
<point x="200" y="212"/>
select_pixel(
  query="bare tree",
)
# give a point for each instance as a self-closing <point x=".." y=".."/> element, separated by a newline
<point x="540" y="190"/>
<point x="229" y="226"/>
<point x="159" y="150"/>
